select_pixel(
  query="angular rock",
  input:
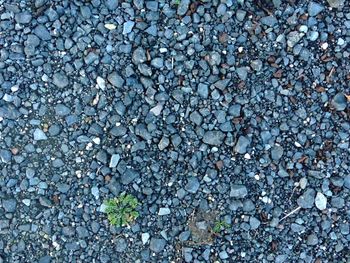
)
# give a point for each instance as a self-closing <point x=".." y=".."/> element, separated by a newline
<point x="192" y="185"/>
<point x="238" y="191"/>
<point x="116" y="80"/>
<point x="307" y="199"/>
<point x="39" y="135"/>
<point x="214" y="137"/>
<point x="314" y="8"/>
<point x="157" y="244"/>
<point x="321" y="201"/>
<point x="339" y="102"/>
<point x="242" y="144"/>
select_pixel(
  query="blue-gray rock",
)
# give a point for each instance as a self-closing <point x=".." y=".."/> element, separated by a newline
<point x="42" y="32"/>
<point x="163" y="143"/>
<point x="183" y="7"/>
<point x="164" y="211"/>
<point x="157" y="244"/>
<point x="129" y="175"/>
<point x="111" y="4"/>
<point x="192" y="185"/>
<point x="339" y="102"/>
<point x="82" y="232"/>
<point x="60" y="79"/>
<point x="254" y="223"/>
<point x="61" y="110"/>
<point x="116" y="80"/>
<point x="238" y="191"/>
<point x="45" y="259"/>
<point x="121" y="245"/>
<point x="23" y="17"/>
<point x="242" y="144"/>
<point x="5" y="156"/>
<point x="39" y="135"/>
<point x="336" y="3"/>
<point x="139" y="56"/>
<point x="203" y="90"/>
<point x="276" y="152"/>
<point x="128" y="26"/>
<point x="242" y="73"/>
<point x="9" y="111"/>
<point x="157" y="62"/>
<point x="312" y="240"/>
<point x="269" y="21"/>
<point x="307" y="199"/>
<point x="240" y="14"/>
<point x="114" y="160"/>
<point x="214" y="137"/>
<point x="314" y="8"/>
<point x="9" y="205"/>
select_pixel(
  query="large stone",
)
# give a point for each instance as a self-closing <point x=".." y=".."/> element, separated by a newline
<point x="214" y="137"/>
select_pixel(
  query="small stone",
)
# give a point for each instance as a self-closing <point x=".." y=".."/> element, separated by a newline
<point x="256" y="65"/>
<point x="60" y="80"/>
<point x="336" y="3"/>
<point x="121" y="245"/>
<point x="320" y="201"/>
<point x="276" y="152"/>
<point x="163" y="211"/>
<point x="116" y="80"/>
<point x="101" y="83"/>
<point x="312" y="35"/>
<point x="238" y="191"/>
<point x="139" y="56"/>
<point x="23" y="17"/>
<point x="45" y="259"/>
<point x="164" y="142"/>
<point x="314" y="9"/>
<point x="42" y="32"/>
<point x="339" y="102"/>
<point x="242" y="73"/>
<point x="312" y="240"/>
<point x="192" y="185"/>
<point x="95" y="192"/>
<point x="9" y="205"/>
<point x="157" y="244"/>
<point x="293" y="38"/>
<point x="26" y="202"/>
<point x="39" y="135"/>
<point x="183" y="7"/>
<point x="156" y="110"/>
<point x="127" y="27"/>
<point x="254" y="223"/>
<point x="269" y="21"/>
<point x="307" y="199"/>
<point x="241" y="145"/>
<point x="157" y="62"/>
<point x="61" y="110"/>
<point x="114" y="160"/>
<point x="145" y="237"/>
<point x="110" y="26"/>
<point x="5" y="156"/>
<point x="240" y="15"/>
<point x="214" y="137"/>
<point x="203" y="90"/>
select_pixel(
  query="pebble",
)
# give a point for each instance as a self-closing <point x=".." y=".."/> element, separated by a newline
<point x="116" y="80"/>
<point x="114" y="160"/>
<point x="139" y="56"/>
<point x="23" y="17"/>
<point x="60" y="80"/>
<point x="306" y="200"/>
<point x="164" y="211"/>
<point x="9" y="205"/>
<point x="320" y="201"/>
<point x="157" y="244"/>
<point x="314" y="8"/>
<point x="183" y="7"/>
<point x="127" y="27"/>
<point x="339" y="102"/>
<point x="192" y="185"/>
<point x="214" y="138"/>
<point x="145" y="237"/>
<point x="242" y="145"/>
<point x="39" y="135"/>
<point x="238" y="191"/>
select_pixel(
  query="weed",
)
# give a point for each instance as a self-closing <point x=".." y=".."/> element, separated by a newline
<point x="121" y="210"/>
<point x="219" y="226"/>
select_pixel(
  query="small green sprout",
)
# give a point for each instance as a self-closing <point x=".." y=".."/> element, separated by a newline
<point x="219" y="226"/>
<point x="121" y="210"/>
<point x="177" y="2"/>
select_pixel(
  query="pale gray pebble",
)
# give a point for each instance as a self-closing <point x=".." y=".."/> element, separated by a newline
<point x="214" y="137"/>
<point x="157" y="244"/>
<point x="114" y="160"/>
<point x="163" y="211"/>
<point x="139" y="56"/>
<point x="312" y="240"/>
<point x="277" y="152"/>
<point x="203" y="90"/>
<point x="127" y="27"/>
<point x="238" y="191"/>
<point x="242" y="73"/>
<point x="254" y="223"/>
<point x="23" y="17"/>
<point x="242" y="145"/>
<point x="42" y="32"/>
<point x="5" y="156"/>
<point x="39" y="135"/>
<point x="240" y="15"/>
<point x="270" y="21"/>
<point x="61" y="110"/>
<point x="157" y="62"/>
<point x="164" y="142"/>
<point x="314" y="8"/>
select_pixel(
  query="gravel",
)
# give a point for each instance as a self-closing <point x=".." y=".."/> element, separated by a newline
<point x="205" y="111"/>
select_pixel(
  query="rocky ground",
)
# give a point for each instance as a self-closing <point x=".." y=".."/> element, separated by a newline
<point x="231" y="112"/>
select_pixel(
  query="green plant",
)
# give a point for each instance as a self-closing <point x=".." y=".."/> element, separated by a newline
<point x="177" y="2"/>
<point x="219" y="226"/>
<point x="121" y="210"/>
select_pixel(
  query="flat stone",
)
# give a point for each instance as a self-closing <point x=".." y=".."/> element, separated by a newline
<point x="183" y="7"/>
<point x="192" y="185"/>
<point x="238" y="191"/>
<point x="41" y="32"/>
<point x="321" y="201"/>
<point x="5" y="156"/>
<point x="157" y="244"/>
<point x="39" y="135"/>
<point x="307" y="199"/>
<point x="61" y="110"/>
<point x="60" y="80"/>
<point x="214" y="137"/>
<point x="163" y="211"/>
<point x="242" y="73"/>
<point x="9" y="205"/>
<point x="314" y="8"/>
<point x="23" y="17"/>
<point x="145" y="237"/>
<point x="116" y="80"/>
<point x="336" y="3"/>
<point x="164" y="142"/>
<point x="242" y="144"/>
<point x="114" y="160"/>
<point x="276" y="152"/>
<point x="127" y="27"/>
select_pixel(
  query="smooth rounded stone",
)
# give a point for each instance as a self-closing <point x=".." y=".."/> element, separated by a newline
<point x="164" y="211"/>
<point x="339" y="102"/>
<point x="276" y="152"/>
<point x="312" y="240"/>
<point x="203" y="90"/>
<point x="238" y="191"/>
<point x="5" y="156"/>
<point x="41" y="32"/>
<point x="270" y="21"/>
<point x="254" y="223"/>
<point x="23" y="17"/>
<point x="157" y="63"/>
<point x="61" y="110"/>
<point x="9" y="205"/>
<point x="312" y="35"/>
<point x="241" y="145"/>
<point x="145" y="237"/>
<point x="214" y="137"/>
<point x="116" y="80"/>
<point x="183" y="7"/>
<point x="139" y="56"/>
<point x="240" y="15"/>
<point x="60" y="79"/>
<point x="39" y="135"/>
<point x="164" y="142"/>
<point x="336" y="3"/>
<point x="192" y="185"/>
<point x="256" y="65"/>
<point x="114" y="160"/>
<point x="242" y="73"/>
<point x="314" y="8"/>
<point x="307" y="199"/>
<point x="127" y="27"/>
<point x="320" y="201"/>
<point x="157" y="244"/>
